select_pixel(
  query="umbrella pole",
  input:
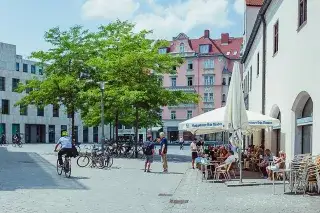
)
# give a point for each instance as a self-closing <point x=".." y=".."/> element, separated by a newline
<point x="240" y="158"/>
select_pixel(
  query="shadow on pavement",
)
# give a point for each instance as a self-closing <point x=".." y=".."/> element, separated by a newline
<point x="167" y="173"/>
<point x="173" y="158"/>
<point x="22" y="170"/>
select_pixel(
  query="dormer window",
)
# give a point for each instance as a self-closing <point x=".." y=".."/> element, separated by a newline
<point x="163" y="50"/>
<point x="228" y="53"/>
<point x="204" y="48"/>
<point x="235" y="52"/>
<point x="182" y="48"/>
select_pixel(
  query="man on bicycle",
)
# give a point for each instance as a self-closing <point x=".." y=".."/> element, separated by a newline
<point x="66" y="146"/>
<point x="17" y="138"/>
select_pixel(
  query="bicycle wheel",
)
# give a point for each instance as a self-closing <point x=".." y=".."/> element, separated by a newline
<point x="83" y="161"/>
<point x="67" y="167"/>
<point x="108" y="161"/>
<point x="20" y="145"/>
<point x="14" y="145"/>
<point x="100" y="162"/>
<point x="59" y="168"/>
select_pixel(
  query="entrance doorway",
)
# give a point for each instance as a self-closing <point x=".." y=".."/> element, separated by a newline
<point x="35" y="133"/>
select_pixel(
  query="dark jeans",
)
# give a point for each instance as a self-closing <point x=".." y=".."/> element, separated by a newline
<point x="264" y="171"/>
<point x="64" y="151"/>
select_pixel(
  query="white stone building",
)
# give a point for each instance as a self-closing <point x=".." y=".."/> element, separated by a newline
<point x="35" y="125"/>
<point x="280" y="74"/>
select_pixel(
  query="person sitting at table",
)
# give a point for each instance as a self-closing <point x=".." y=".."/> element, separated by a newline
<point x="278" y="163"/>
<point x="223" y="153"/>
<point x="246" y="159"/>
<point x="265" y="162"/>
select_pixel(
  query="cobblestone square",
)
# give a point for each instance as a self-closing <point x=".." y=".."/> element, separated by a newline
<point x="29" y="184"/>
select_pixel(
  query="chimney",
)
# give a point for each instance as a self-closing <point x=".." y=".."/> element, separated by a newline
<point x="206" y="34"/>
<point x="224" y="38"/>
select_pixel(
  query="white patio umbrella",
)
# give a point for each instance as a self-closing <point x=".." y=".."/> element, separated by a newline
<point x="235" y="117"/>
<point x="213" y="121"/>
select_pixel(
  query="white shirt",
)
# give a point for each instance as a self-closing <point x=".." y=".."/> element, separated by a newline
<point x="181" y="140"/>
<point x="193" y="147"/>
<point x="230" y="159"/>
<point x="65" y="142"/>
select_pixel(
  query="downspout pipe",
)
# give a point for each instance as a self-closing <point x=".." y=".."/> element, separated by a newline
<point x="264" y="56"/>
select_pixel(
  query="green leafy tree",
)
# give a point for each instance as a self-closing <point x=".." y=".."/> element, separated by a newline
<point x="64" y="62"/>
<point x="133" y="61"/>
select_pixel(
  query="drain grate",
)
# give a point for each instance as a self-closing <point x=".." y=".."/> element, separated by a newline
<point x="179" y="201"/>
<point x="165" y="195"/>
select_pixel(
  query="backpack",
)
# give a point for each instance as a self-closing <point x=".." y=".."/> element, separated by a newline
<point x="147" y="150"/>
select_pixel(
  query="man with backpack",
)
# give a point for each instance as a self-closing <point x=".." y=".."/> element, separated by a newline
<point x="148" y="149"/>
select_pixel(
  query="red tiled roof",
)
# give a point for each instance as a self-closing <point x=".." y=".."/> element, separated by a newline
<point x="255" y="3"/>
<point x="230" y="50"/>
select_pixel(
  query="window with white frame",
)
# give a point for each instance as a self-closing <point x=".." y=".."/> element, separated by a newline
<point x="209" y="80"/>
<point x="223" y="98"/>
<point x="204" y="48"/>
<point x="182" y="48"/>
<point x="173" y="115"/>
<point x="208" y="64"/>
<point x="189" y="81"/>
<point x="189" y="114"/>
<point x="210" y="97"/>
<point x="205" y="97"/>
<point x="174" y="82"/>
<point x="190" y="65"/>
<point x="162" y="50"/>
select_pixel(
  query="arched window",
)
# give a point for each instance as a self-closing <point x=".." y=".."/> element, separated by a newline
<point x="308" y="109"/>
<point x="182" y="47"/>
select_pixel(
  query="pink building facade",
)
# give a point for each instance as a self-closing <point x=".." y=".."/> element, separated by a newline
<point x="206" y="71"/>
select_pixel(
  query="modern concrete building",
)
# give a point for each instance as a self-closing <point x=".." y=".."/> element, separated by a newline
<point x="280" y="74"/>
<point x="35" y="125"/>
<point x="206" y="71"/>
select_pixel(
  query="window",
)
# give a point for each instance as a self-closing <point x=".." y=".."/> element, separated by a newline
<point x="5" y="110"/>
<point x="173" y="82"/>
<point x="250" y="78"/>
<point x="2" y="128"/>
<point x="189" y="114"/>
<point x="2" y="84"/>
<point x="210" y="97"/>
<point x="223" y="98"/>
<point x="190" y="79"/>
<point x="162" y="50"/>
<point x="224" y="81"/>
<point x="302" y="12"/>
<point x="173" y="115"/>
<point x="208" y="64"/>
<point x="40" y="71"/>
<point x="190" y="65"/>
<point x="76" y="134"/>
<point x="276" y="37"/>
<point x="258" y="64"/>
<point x="235" y="52"/>
<point x="182" y="48"/>
<point x="40" y="111"/>
<point x="160" y="80"/>
<point x="209" y="80"/>
<point x="95" y="134"/>
<point x="127" y="127"/>
<point x="85" y="134"/>
<point x="15" y="84"/>
<point x="23" y="110"/>
<point x="229" y="81"/>
<point x="28" y="90"/>
<point x="15" y="128"/>
<point x="204" y="48"/>
<point x="25" y="67"/>
<point x="33" y="69"/>
<point x="174" y="68"/>
<point x="69" y="115"/>
<point x="52" y="133"/>
<point x="55" y="111"/>
<point x="17" y="66"/>
<point x="228" y="53"/>
<point x="205" y="97"/>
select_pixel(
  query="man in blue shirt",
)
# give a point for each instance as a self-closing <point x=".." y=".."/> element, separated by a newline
<point x="163" y="151"/>
<point x="66" y="147"/>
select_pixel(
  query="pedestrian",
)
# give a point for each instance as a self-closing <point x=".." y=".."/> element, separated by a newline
<point x="181" y="143"/>
<point x="194" y="153"/>
<point x="148" y="150"/>
<point x="163" y="151"/>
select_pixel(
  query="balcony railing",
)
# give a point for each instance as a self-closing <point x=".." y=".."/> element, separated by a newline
<point x="182" y="88"/>
<point x="183" y="106"/>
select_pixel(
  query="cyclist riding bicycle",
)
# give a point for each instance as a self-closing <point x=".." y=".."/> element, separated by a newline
<point x="66" y="147"/>
<point x="17" y="138"/>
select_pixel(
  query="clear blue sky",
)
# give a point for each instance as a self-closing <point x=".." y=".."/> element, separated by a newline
<point x="23" y="22"/>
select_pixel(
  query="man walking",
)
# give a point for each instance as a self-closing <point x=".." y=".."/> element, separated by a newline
<point x="163" y="151"/>
<point x="149" y="152"/>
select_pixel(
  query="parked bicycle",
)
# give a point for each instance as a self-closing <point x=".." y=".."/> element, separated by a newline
<point x="96" y="157"/>
<point x="66" y="166"/>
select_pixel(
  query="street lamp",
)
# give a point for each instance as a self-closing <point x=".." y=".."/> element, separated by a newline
<point x="102" y="87"/>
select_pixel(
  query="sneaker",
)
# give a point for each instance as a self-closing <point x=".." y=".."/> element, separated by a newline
<point x="165" y="171"/>
<point x="145" y="170"/>
<point x="148" y="171"/>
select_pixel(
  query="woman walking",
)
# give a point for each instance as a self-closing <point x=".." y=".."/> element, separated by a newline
<point x="194" y="153"/>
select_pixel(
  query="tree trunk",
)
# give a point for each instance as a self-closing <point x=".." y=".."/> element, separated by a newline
<point x="117" y="126"/>
<point x="72" y="124"/>
<point x="136" y="133"/>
